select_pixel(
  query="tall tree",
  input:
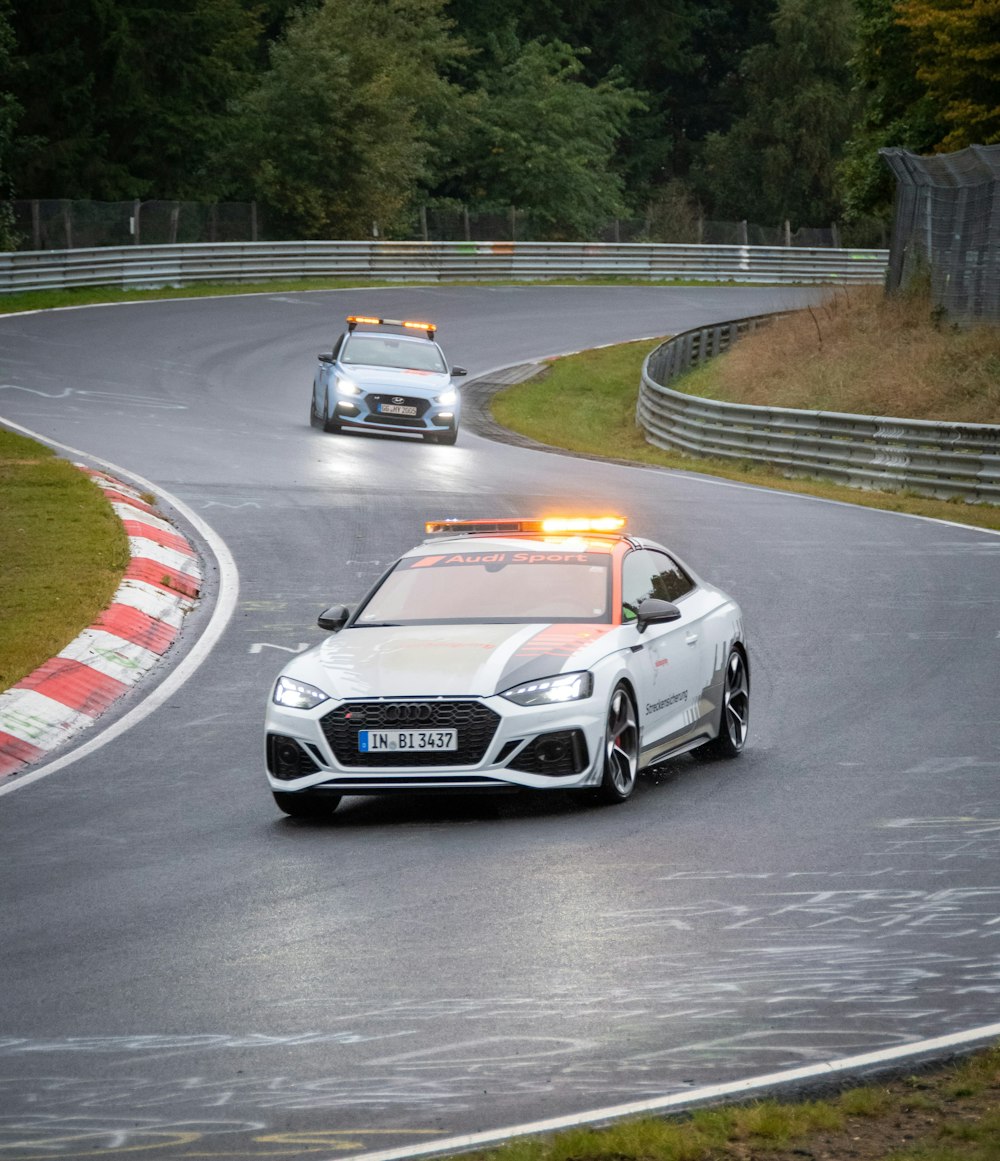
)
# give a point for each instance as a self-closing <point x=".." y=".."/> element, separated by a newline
<point x="958" y="60"/>
<point x="125" y="98"/>
<point x="544" y="141"/>
<point x="339" y="134"/>
<point x="681" y="55"/>
<point x="778" y="161"/>
<point x="10" y="112"/>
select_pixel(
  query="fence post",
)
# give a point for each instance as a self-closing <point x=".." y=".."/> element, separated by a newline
<point x="67" y="213"/>
<point x="744" y="236"/>
<point x="788" y="232"/>
<point x="136" y="207"/>
<point x="423" y="224"/>
<point x="253" y="221"/>
<point x="835" y="235"/>
<point x="36" y="226"/>
<point x="175" y="213"/>
<point x="465" y="222"/>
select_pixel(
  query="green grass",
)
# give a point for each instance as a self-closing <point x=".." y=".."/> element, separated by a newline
<point x="64" y="552"/>
<point x="944" y="1114"/>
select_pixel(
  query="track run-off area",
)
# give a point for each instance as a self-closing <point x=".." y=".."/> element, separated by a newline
<point x="186" y="973"/>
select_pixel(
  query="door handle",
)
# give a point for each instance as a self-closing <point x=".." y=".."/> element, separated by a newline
<point x="691" y="638"/>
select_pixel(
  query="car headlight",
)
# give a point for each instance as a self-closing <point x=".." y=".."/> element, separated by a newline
<point x="296" y="694"/>
<point x="347" y="386"/>
<point x="552" y="690"/>
<point x="448" y="397"/>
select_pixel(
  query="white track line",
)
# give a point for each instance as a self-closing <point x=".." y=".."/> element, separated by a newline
<point x="681" y="1100"/>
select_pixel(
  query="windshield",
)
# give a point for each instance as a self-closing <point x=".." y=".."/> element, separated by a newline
<point x="387" y="351"/>
<point x="469" y="587"/>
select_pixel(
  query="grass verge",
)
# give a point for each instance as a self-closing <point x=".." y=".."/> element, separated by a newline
<point x="946" y="1114"/>
<point x="64" y="552"/>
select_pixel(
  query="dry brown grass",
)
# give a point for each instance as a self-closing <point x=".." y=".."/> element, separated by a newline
<point x="865" y="353"/>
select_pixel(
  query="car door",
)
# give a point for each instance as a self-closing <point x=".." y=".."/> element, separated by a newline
<point x="664" y="658"/>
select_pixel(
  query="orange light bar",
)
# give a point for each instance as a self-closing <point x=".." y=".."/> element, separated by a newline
<point x="408" y="324"/>
<point x="583" y="523"/>
<point x="514" y="525"/>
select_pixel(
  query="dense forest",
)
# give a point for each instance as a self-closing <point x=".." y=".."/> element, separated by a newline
<point x="340" y="116"/>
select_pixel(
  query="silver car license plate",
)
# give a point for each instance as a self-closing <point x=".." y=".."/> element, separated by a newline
<point x="396" y="409"/>
<point x="417" y="740"/>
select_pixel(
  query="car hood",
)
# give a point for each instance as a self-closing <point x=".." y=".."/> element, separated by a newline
<point x="447" y="660"/>
<point x="388" y="379"/>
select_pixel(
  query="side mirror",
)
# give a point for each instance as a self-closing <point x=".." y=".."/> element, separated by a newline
<point x="334" y="618"/>
<point x="653" y="611"/>
<point x="327" y="357"/>
<point x="456" y="371"/>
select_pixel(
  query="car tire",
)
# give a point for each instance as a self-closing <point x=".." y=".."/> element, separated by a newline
<point x="449" y="437"/>
<point x="328" y="424"/>
<point x="621" y="749"/>
<point x="315" y="419"/>
<point x="312" y="807"/>
<point x="734" y="713"/>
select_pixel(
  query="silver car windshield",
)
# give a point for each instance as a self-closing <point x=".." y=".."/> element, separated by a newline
<point x="484" y="586"/>
<point x="386" y="351"/>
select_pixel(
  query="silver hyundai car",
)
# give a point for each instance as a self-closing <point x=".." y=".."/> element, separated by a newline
<point x="390" y="376"/>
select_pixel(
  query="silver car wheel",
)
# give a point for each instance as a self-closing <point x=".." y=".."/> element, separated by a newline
<point x="621" y="749"/>
<point x="734" y="717"/>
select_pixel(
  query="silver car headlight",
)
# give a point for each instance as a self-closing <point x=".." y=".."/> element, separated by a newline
<point x="297" y="694"/>
<point x="552" y="690"/>
<point x="347" y="386"/>
<point x="448" y="397"/>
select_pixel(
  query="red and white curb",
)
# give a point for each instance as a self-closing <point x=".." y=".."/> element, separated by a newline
<point x="69" y="692"/>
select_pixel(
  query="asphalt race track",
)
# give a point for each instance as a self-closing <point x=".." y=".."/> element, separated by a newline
<point x="184" y="972"/>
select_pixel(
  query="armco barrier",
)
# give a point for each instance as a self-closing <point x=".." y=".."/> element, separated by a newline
<point x="944" y="460"/>
<point x="154" y="266"/>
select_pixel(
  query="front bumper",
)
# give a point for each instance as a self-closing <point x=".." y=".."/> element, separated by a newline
<point x="364" y="413"/>
<point x="515" y="747"/>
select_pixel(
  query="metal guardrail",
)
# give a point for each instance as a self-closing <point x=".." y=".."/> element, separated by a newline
<point x="175" y="265"/>
<point x="943" y="460"/>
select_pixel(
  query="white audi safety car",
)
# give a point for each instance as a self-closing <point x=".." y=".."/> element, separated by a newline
<point x="508" y="654"/>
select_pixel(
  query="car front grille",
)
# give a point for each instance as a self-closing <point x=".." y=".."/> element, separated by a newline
<point x="476" y="724"/>
<point x="422" y="406"/>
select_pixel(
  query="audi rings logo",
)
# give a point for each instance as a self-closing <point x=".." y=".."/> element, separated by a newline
<point x="410" y="712"/>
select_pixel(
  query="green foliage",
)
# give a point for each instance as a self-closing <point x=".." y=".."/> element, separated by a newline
<point x="958" y="52"/>
<point x="338" y="135"/>
<point x="125" y="98"/>
<point x="682" y="56"/>
<point x="10" y="113"/>
<point x="778" y="161"/>
<point x="896" y="110"/>
<point x="544" y="141"/>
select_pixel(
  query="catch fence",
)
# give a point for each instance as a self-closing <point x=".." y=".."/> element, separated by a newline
<point x="947" y="228"/>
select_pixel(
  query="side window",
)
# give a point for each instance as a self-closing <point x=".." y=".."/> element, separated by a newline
<point x="651" y="574"/>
